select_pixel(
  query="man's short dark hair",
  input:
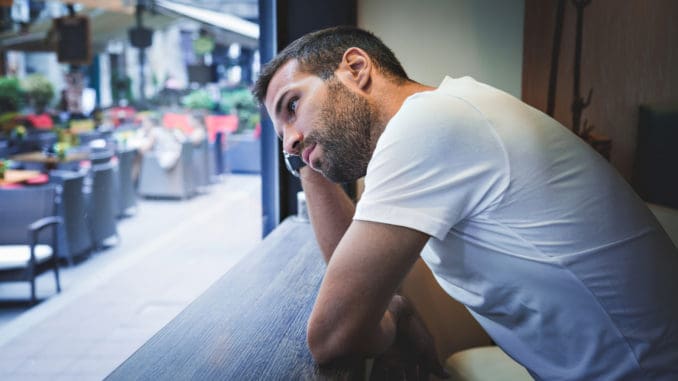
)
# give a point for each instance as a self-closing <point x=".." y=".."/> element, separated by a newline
<point x="319" y="53"/>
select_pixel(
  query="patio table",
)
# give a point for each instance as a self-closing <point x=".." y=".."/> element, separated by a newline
<point x="49" y="161"/>
<point x="17" y="176"/>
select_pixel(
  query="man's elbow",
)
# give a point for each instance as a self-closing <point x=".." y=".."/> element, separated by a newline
<point x="325" y="344"/>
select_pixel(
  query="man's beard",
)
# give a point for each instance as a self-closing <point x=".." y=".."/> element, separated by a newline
<point x="344" y="132"/>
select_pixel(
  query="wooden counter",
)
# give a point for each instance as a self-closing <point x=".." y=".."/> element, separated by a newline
<point x="249" y="325"/>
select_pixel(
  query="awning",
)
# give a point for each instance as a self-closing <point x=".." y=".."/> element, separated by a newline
<point x="106" y="25"/>
<point x="110" y="20"/>
<point x="238" y="29"/>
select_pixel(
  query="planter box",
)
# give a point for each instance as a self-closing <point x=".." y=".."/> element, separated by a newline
<point x="242" y="153"/>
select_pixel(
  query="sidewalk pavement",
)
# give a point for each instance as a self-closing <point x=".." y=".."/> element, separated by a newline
<point x="169" y="253"/>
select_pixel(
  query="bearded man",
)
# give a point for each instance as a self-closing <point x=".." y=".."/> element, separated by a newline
<point x="518" y="219"/>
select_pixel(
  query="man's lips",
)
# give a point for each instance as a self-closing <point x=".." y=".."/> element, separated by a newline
<point x="306" y="155"/>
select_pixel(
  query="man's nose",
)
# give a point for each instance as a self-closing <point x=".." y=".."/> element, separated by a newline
<point x="292" y="141"/>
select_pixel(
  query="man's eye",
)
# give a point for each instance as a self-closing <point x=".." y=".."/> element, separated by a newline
<point x="292" y="105"/>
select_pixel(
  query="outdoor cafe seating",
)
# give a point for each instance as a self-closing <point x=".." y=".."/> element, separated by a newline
<point x="88" y="185"/>
<point x="86" y="188"/>
<point x="102" y="205"/>
<point x="175" y="182"/>
<point x="75" y="242"/>
<point x="28" y="238"/>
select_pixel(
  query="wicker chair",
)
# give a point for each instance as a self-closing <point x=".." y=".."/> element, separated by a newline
<point x="28" y="238"/>
<point x="102" y="204"/>
<point x="72" y="208"/>
<point x="177" y="182"/>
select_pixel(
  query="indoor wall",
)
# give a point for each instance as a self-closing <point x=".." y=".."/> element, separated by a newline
<point x="434" y="38"/>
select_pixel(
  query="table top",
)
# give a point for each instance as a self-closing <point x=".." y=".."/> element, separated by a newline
<point x="250" y="324"/>
<point x="40" y="157"/>
<point x="15" y="176"/>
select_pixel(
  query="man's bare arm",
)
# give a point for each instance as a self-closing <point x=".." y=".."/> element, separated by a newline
<point x="330" y="209"/>
<point x="350" y="314"/>
<point x="372" y="329"/>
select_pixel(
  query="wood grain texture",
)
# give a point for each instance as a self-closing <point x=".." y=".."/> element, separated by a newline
<point x="249" y="325"/>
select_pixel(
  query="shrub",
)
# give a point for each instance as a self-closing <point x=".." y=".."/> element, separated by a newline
<point x="11" y="97"/>
<point x="198" y="100"/>
<point x="241" y="102"/>
<point x="39" y="91"/>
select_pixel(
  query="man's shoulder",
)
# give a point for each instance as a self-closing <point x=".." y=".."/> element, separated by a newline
<point x="451" y="98"/>
<point x="435" y="112"/>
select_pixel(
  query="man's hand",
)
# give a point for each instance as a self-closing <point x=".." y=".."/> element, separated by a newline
<point x="412" y="356"/>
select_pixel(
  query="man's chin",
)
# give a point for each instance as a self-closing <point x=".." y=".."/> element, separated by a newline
<point x="341" y="178"/>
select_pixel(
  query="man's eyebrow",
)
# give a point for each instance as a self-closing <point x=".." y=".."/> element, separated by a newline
<point x="278" y="105"/>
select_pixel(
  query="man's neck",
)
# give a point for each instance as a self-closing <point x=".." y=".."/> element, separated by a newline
<point x="389" y="98"/>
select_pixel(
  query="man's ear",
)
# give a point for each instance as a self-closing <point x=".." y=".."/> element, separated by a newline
<point x="356" y="68"/>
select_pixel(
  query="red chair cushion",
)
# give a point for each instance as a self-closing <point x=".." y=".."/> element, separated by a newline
<point x="43" y="178"/>
<point x="121" y="114"/>
<point x="180" y="121"/>
<point x="41" y="121"/>
<point x="223" y="123"/>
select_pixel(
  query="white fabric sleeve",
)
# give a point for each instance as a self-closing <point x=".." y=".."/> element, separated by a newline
<point x="437" y="162"/>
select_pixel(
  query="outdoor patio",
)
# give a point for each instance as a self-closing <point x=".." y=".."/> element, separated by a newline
<point x="170" y="252"/>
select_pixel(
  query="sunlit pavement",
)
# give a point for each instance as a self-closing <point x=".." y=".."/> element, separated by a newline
<point x="169" y="253"/>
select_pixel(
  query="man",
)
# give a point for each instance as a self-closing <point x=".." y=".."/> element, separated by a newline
<point x="549" y="249"/>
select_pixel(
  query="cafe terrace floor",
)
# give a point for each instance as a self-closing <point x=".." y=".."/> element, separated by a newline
<point x="169" y="253"/>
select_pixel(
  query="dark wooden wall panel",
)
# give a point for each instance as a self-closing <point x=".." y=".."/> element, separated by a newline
<point x="629" y="58"/>
<point x="295" y="18"/>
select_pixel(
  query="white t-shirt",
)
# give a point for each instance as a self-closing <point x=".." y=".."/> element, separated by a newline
<point x="541" y="239"/>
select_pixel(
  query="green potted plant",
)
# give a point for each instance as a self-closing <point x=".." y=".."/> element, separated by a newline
<point x="198" y="100"/>
<point x="18" y="132"/>
<point x="11" y="96"/>
<point x="241" y="102"/>
<point x="8" y="122"/>
<point x="244" y="149"/>
<point x="39" y="91"/>
<point x="11" y="100"/>
<point x="121" y="87"/>
<point x="60" y="149"/>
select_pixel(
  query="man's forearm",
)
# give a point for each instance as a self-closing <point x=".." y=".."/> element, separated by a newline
<point x="329" y="207"/>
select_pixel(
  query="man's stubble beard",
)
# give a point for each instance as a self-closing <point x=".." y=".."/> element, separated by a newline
<point x="345" y="134"/>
